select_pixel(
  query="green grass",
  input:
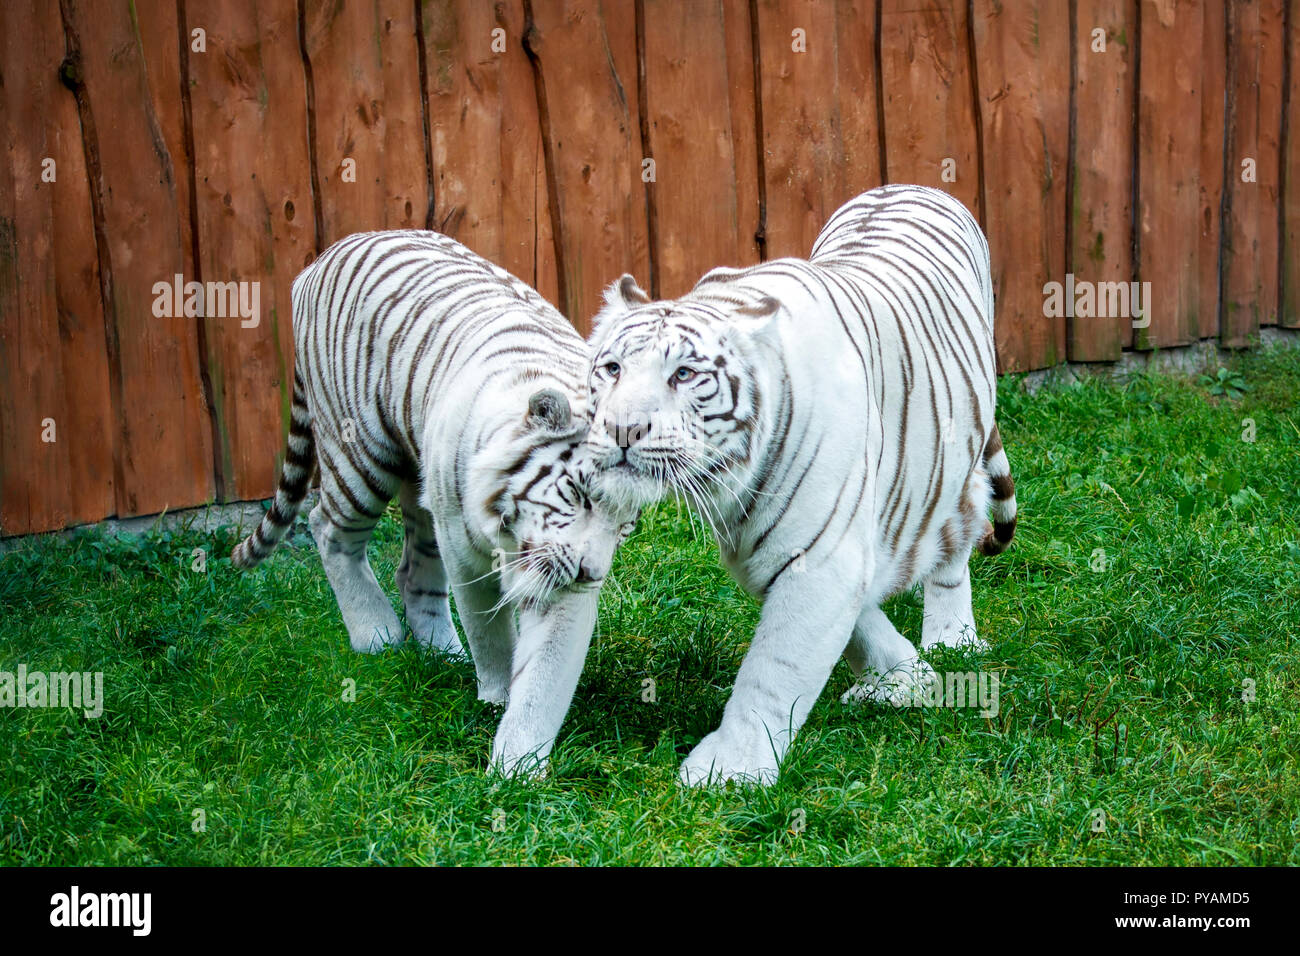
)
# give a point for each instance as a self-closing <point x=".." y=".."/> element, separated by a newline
<point x="1121" y="689"/>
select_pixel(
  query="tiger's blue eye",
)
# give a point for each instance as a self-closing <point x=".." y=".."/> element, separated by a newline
<point x="683" y="374"/>
<point x="612" y="369"/>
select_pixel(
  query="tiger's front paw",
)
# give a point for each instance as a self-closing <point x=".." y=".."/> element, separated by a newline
<point x="494" y="693"/>
<point x="434" y="632"/>
<point x="951" y="632"/>
<point x="520" y="749"/>
<point x="717" y="759"/>
<point x="904" y="686"/>
<point x="520" y="765"/>
<point x="375" y="637"/>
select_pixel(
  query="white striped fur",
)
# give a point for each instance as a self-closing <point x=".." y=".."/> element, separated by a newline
<point x="424" y="372"/>
<point x="833" y="419"/>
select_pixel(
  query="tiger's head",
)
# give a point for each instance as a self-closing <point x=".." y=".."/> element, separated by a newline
<point x="550" y="533"/>
<point x="675" y="404"/>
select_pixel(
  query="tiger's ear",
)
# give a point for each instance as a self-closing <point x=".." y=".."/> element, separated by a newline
<point x="626" y="293"/>
<point x="764" y="308"/>
<point x="549" y="409"/>
<point x="756" y="321"/>
<point x="759" y="316"/>
<point x="620" y="298"/>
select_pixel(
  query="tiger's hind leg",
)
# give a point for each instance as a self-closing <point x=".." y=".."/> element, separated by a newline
<point x="422" y="579"/>
<point x="342" y="523"/>
<point x="888" y="669"/>
<point x="949" y="619"/>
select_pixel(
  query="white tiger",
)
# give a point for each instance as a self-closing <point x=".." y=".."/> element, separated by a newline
<point x="423" y="371"/>
<point x="833" y="421"/>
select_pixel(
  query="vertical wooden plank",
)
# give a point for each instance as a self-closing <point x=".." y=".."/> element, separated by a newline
<point x="857" y="100"/>
<point x="489" y="167"/>
<point x="821" y="143"/>
<point x="366" y="83"/>
<point x="1272" y="40"/>
<point x="929" y="111"/>
<point x="29" y="370"/>
<point x="1242" y="278"/>
<point x="52" y="352"/>
<point x="738" y="31"/>
<point x="255" y="221"/>
<point x="164" y="452"/>
<point x="585" y="52"/>
<point x="691" y="141"/>
<point x="1289" y="313"/>
<point x="1214" y="70"/>
<point x="1022" y="57"/>
<point x="1101" y="240"/>
<point x="528" y="245"/>
<point x="89" y="413"/>
<point x="1169" y="160"/>
<point x="465" y="123"/>
<point x="157" y="23"/>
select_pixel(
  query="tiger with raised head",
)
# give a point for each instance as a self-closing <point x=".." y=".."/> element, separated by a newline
<point x="833" y="420"/>
<point x="425" y="372"/>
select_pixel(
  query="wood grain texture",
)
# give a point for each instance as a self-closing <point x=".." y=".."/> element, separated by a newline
<point x="366" y="85"/>
<point x="1272" y="51"/>
<point x="1214" y="70"/>
<point x="1289" y="256"/>
<point x="158" y="26"/>
<point x="526" y="214"/>
<point x="1022" y="52"/>
<point x="489" y="168"/>
<point x="1242" y="277"/>
<point x="738" y="31"/>
<point x="821" y="142"/>
<point x="164" y="450"/>
<point x="930" y="135"/>
<point x="1169" y="150"/>
<point x="173" y="161"/>
<point x="255" y="222"/>
<point x="585" y="56"/>
<point x="691" y="140"/>
<point x="53" y="362"/>
<point x="857" y="90"/>
<point x="1101" y="239"/>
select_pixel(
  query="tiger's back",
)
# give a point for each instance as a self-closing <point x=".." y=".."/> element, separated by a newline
<point x="921" y="253"/>
<point x="886" y="371"/>
<point x="391" y="317"/>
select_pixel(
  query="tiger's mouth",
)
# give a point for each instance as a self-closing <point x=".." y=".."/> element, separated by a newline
<point x="544" y="571"/>
<point x="533" y="583"/>
<point x="629" y="483"/>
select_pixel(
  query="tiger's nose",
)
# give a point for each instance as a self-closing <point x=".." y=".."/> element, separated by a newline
<point x="627" y="430"/>
<point x="587" y="574"/>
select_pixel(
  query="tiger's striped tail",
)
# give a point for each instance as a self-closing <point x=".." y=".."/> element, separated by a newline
<point x="299" y="458"/>
<point x="999" y="532"/>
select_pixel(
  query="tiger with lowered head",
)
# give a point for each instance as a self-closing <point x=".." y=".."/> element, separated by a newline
<point x="427" y="373"/>
<point x="833" y="420"/>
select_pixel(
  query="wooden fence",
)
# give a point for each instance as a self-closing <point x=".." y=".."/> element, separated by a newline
<point x="573" y="140"/>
